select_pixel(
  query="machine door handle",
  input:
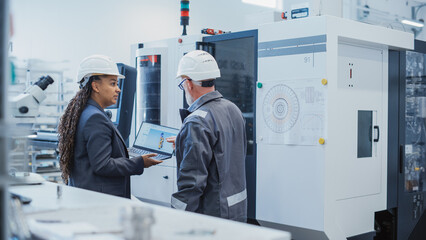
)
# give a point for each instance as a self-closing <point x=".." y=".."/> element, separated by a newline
<point x="401" y="158"/>
<point x="166" y="177"/>
<point x="378" y="133"/>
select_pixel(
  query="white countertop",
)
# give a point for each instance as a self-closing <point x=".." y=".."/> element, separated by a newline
<point x="103" y="212"/>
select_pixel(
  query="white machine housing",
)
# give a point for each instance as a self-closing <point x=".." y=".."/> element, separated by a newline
<point x="158" y="183"/>
<point x="316" y="75"/>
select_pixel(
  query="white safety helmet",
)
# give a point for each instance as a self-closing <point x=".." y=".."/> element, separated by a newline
<point x="198" y="65"/>
<point x="96" y="65"/>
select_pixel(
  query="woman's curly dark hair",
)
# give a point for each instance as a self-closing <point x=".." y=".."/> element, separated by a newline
<point x="67" y="128"/>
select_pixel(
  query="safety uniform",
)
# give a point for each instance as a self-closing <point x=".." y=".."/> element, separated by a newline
<point x="210" y="153"/>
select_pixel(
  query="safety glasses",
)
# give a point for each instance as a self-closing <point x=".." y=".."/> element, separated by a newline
<point x="181" y="83"/>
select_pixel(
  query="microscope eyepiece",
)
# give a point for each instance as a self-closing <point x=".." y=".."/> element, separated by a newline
<point x="44" y="81"/>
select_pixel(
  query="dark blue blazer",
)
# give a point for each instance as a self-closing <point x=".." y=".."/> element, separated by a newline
<point x="101" y="161"/>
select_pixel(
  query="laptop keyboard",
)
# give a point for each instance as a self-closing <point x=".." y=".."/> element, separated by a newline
<point x="137" y="152"/>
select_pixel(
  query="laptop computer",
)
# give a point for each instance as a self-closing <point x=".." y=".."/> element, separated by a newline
<point x="151" y="138"/>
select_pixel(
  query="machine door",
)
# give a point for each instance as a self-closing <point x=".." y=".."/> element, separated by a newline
<point x="151" y="66"/>
<point x="236" y="54"/>
<point x="412" y="184"/>
<point x="360" y="89"/>
<point x="149" y="88"/>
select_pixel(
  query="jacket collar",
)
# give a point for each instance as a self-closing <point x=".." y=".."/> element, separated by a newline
<point x="198" y="103"/>
<point x="204" y="99"/>
<point x="94" y="103"/>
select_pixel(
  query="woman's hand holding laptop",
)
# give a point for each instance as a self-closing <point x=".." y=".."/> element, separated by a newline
<point x="148" y="161"/>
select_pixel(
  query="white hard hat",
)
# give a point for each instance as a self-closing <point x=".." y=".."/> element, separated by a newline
<point x="96" y="65"/>
<point x="198" y="66"/>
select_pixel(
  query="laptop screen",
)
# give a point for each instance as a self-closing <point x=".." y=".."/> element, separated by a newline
<point x="153" y="136"/>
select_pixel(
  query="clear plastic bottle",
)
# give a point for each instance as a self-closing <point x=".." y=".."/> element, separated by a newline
<point x="136" y="222"/>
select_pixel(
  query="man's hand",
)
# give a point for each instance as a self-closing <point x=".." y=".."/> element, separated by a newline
<point x="171" y="140"/>
<point x="148" y="161"/>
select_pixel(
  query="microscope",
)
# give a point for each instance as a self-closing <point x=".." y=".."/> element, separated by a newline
<point x="25" y="108"/>
<point x="26" y="105"/>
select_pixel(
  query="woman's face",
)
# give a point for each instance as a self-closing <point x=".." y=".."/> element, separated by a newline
<point x="108" y="90"/>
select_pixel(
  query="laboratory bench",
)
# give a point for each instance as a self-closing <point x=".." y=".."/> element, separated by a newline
<point x="63" y="212"/>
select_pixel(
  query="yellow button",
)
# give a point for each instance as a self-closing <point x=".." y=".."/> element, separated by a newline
<point x="321" y="141"/>
<point x="324" y="81"/>
<point x="417" y="168"/>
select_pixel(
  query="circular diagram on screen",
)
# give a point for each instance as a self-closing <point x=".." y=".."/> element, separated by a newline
<point x="280" y="108"/>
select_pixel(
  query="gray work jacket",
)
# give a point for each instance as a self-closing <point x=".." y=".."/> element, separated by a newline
<point x="210" y="153"/>
<point x="101" y="161"/>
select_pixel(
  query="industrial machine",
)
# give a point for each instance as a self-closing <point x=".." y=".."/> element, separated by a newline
<point x="321" y="126"/>
<point x="314" y="92"/>
<point x="404" y="217"/>
<point x="121" y="111"/>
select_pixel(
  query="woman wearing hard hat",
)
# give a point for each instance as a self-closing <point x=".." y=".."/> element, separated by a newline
<point x="93" y="154"/>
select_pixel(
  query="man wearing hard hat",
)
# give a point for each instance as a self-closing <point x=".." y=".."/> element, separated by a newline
<point x="211" y="145"/>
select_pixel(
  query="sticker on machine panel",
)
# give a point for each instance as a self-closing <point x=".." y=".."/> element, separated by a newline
<point x="408" y="149"/>
<point x="280" y="108"/>
<point x="300" y="10"/>
<point x="300" y="13"/>
<point x="293" y="112"/>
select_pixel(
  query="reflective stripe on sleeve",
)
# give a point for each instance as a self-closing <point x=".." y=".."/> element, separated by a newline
<point x="200" y="113"/>
<point x="236" y="198"/>
<point x="178" y="204"/>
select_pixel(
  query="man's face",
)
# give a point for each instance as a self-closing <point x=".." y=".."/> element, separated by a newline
<point x="109" y="90"/>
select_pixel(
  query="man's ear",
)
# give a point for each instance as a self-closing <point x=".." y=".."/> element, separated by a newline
<point x="190" y="84"/>
<point x="95" y="86"/>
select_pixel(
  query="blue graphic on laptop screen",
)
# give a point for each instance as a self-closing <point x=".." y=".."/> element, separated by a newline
<point x="156" y="139"/>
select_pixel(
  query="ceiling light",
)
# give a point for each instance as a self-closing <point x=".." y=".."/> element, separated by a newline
<point x="412" y="23"/>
